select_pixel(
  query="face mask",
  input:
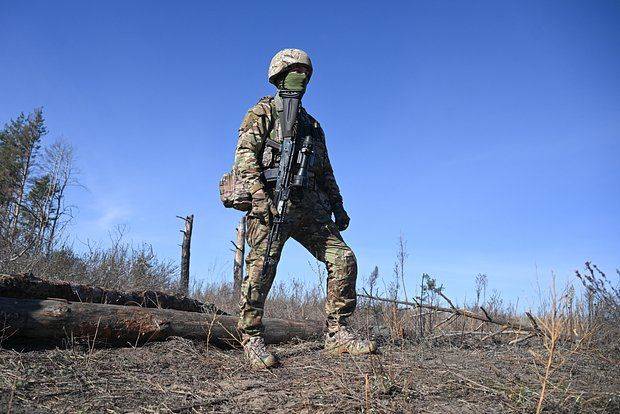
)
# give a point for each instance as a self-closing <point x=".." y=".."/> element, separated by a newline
<point x="294" y="81"/>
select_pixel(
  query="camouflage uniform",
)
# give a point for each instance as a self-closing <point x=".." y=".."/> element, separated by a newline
<point x="308" y="219"/>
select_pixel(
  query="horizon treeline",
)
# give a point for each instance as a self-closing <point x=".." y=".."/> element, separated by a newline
<point x="34" y="178"/>
<point x="36" y="174"/>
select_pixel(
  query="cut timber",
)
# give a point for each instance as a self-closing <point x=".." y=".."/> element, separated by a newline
<point x="26" y="286"/>
<point x="48" y="320"/>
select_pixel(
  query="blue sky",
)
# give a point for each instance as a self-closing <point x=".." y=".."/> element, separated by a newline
<point x="486" y="132"/>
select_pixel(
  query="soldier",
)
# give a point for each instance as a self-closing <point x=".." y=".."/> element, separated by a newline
<point x="308" y="219"/>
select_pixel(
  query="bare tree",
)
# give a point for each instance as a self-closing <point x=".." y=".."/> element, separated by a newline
<point x="481" y="288"/>
<point x="399" y="265"/>
<point x="59" y="159"/>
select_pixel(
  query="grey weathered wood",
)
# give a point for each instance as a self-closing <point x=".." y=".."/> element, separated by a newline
<point x="185" y="254"/>
<point x="239" y="255"/>
<point x="27" y="286"/>
<point x="46" y="320"/>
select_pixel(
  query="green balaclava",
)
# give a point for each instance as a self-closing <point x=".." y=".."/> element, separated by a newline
<point x="294" y="81"/>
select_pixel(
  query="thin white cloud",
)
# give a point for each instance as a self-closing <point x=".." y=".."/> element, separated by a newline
<point x="111" y="216"/>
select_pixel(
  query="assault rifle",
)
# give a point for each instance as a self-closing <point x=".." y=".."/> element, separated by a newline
<point x="293" y="168"/>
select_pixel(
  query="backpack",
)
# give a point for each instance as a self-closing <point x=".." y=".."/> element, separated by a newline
<point x="233" y="192"/>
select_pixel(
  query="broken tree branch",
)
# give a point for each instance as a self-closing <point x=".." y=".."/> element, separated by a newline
<point x="476" y="333"/>
<point x="533" y="321"/>
<point x="486" y="313"/>
<point x="469" y="314"/>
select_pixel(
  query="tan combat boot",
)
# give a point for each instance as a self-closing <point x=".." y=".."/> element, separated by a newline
<point x="344" y="341"/>
<point x="256" y="352"/>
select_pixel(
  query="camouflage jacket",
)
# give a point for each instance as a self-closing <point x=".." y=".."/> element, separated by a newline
<point x="252" y="156"/>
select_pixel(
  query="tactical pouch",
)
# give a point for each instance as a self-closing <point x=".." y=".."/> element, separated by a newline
<point x="234" y="193"/>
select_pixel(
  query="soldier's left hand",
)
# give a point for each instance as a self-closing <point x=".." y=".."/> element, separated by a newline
<point x="342" y="218"/>
<point x="262" y="207"/>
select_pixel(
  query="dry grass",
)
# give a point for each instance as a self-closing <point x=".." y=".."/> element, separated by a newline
<point x="180" y="376"/>
<point x="120" y="266"/>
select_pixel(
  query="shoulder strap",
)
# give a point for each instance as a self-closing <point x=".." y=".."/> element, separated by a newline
<point x="274" y="112"/>
<point x="272" y="124"/>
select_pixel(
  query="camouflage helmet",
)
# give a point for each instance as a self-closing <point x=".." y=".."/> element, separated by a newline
<point x="284" y="59"/>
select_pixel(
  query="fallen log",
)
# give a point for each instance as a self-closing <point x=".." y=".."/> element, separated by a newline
<point x="48" y="320"/>
<point x="27" y="286"/>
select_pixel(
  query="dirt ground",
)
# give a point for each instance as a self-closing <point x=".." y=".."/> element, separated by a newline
<point x="179" y="376"/>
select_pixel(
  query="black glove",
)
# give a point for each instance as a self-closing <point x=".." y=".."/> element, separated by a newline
<point x="341" y="217"/>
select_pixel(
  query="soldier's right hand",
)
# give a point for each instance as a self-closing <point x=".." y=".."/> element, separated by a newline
<point x="262" y="207"/>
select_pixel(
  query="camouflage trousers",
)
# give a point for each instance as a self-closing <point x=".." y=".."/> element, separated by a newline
<point x="320" y="236"/>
